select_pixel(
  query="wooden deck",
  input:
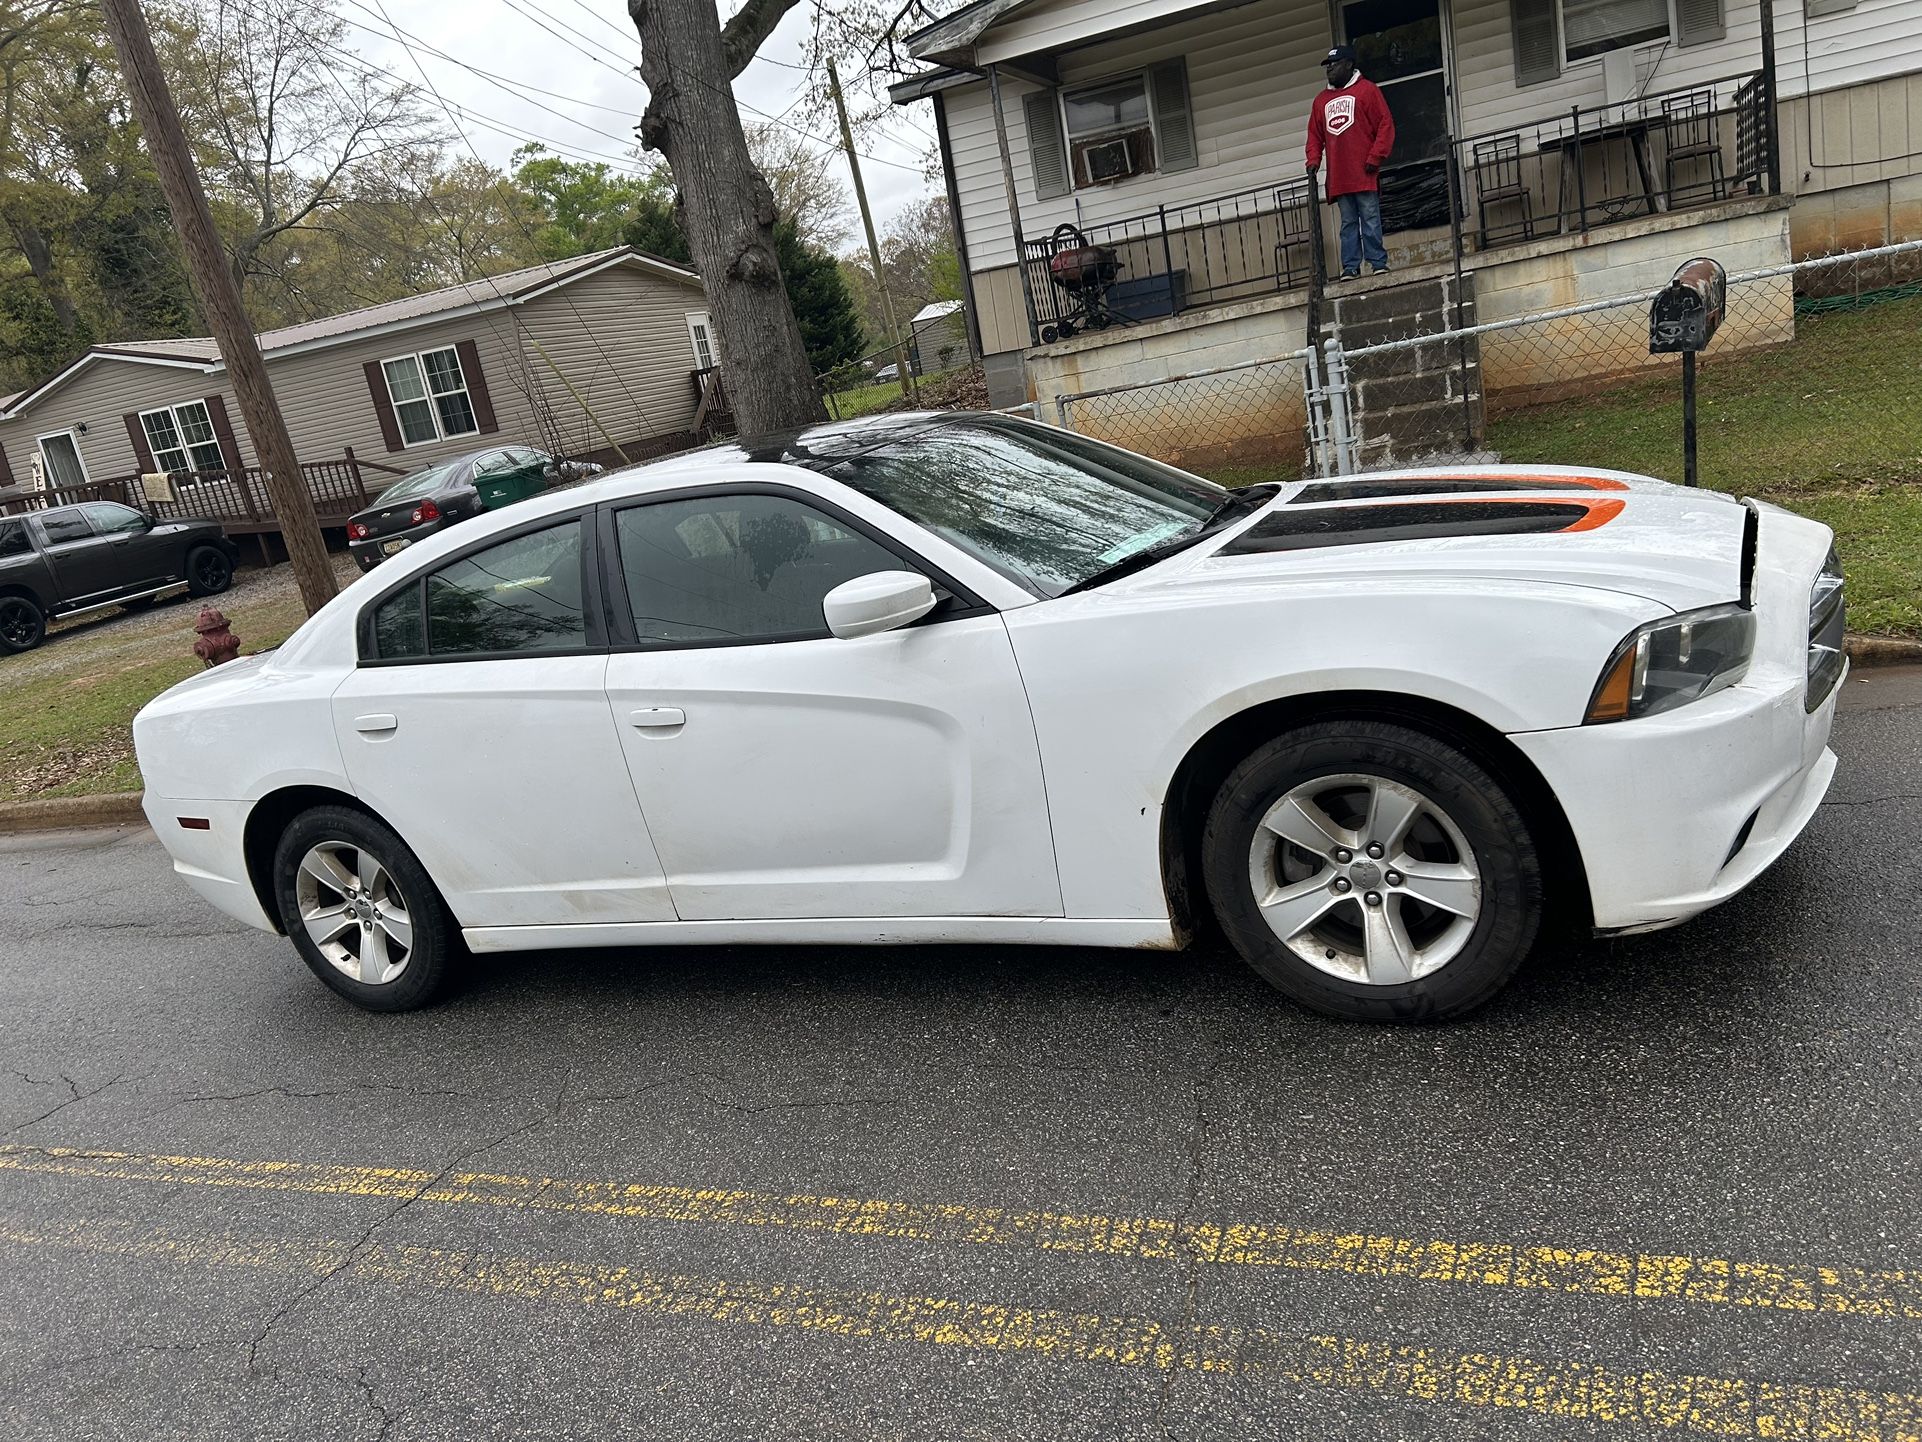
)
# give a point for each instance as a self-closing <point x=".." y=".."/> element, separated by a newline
<point x="237" y="499"/>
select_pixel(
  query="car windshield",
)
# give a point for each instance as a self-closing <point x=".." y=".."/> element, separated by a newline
<point x="1048" y="508"/>
<point x="418" y="484"/>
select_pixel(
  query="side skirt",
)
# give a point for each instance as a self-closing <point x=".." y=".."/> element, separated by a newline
<point x="1153" y="935"/>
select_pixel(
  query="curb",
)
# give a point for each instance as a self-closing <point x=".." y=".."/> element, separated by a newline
<point x="72" y="813"/>
<point x="1882" y="651"/>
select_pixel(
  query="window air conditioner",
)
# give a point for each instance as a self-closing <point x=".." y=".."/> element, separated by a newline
<point x="1109" y="160"/>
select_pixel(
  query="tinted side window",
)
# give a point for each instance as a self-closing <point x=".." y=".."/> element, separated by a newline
<point x="13" y="538"/>
<point x="400" y="632"/>
<point x="110" y="519"/>
<point x="521" y="595"/>
<point x="60" y="526"/>
<point x="725" y="568"/>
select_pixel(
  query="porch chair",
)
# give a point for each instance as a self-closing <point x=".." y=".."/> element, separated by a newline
<point x="1688" y="136"/>
<point x="1498" y="181"/>
<point x="1294" y="254"/>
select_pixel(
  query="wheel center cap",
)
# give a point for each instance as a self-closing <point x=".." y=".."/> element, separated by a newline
<point x="363" y="908"/>
<point x="1365" y="874"/>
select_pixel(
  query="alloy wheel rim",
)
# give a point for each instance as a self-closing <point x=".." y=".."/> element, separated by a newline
<point x="354" y="912"/>
<point x="1365" y="878"/>
<point x="208" y="571"/>
<point x="17" y="622"/>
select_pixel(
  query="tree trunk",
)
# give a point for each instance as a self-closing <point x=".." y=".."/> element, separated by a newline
<point x="728" y="214"/>
<point x="33" y="244"/>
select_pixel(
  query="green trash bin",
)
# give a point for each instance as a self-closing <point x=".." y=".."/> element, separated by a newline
<point x="503" y="488"/>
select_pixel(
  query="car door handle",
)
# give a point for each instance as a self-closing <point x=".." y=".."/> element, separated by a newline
<point x="658" y="718"/>
<point x="376" y="725"/>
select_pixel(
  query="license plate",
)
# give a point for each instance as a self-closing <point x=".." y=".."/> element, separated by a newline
<point x="394" y="548"/>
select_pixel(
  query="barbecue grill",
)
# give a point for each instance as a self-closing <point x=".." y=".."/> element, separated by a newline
<point x="1084" y="273"/>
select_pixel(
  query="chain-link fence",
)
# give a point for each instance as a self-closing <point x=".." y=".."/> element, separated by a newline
<point x="932" y="345"/>
<point x="1247" y="420"/>
<point x="1811" y="379"/>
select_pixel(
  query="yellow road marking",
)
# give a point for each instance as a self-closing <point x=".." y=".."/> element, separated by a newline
<point x="1704" y="1406"/>
<point x="1585" y="1271"/>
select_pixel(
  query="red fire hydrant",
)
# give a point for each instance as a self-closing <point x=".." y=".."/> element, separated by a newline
<point x="217" y="644"/>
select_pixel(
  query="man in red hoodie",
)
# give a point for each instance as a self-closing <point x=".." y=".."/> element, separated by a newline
<point x="1350" y="124"/>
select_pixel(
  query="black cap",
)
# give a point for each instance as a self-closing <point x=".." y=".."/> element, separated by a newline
<point x="1339" y="52"/>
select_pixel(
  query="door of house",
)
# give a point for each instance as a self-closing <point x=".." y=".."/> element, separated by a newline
<point x="61" y="454"/>
<point x="1402" y="46"/>
<point x="700" y="330"/>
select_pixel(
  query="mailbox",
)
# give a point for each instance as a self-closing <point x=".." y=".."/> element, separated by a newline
<point x="1684" y="316"/>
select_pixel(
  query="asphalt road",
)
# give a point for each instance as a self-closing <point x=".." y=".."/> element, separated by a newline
<point x="1666" y="1185"/>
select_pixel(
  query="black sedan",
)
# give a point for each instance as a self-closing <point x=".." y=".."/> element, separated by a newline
<point x="417" y="506"/>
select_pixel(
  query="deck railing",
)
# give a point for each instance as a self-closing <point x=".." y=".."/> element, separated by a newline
<point x="237" y="497"/>
<point x="1664" y="151"/>
<point x="1176" y="258"/>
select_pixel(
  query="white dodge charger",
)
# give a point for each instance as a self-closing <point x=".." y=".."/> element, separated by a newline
<point x="970" y="679"/>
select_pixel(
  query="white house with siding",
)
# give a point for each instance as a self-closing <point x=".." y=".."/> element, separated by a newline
<point x="576" y="356"/>
<point x="1172" y="131"/>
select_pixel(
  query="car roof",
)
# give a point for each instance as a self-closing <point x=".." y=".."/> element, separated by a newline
<point x="816" y="446"/>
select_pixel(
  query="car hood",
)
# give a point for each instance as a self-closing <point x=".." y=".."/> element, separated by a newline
<point x="1608" y="530"/>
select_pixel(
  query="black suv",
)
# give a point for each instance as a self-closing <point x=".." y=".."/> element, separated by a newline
<point x="85" y="557"/>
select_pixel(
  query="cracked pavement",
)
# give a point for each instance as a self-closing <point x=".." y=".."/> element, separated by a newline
<point x="1744" y="1088"/>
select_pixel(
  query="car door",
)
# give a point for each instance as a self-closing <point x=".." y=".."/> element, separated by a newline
<point x="83" y="561"/>
<point x="142" y="560"/>
<point x="787" y="773"/>
<point x="477" y="724"/>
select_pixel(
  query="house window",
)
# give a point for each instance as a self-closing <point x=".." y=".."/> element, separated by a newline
<point x="182" y="438"/>
<point x="430" y="396"/>
<point x="700" y="330"/>
<point x="1590" y="27"/>
<point x="1110" y="130"/>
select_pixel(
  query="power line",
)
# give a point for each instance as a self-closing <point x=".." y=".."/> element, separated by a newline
<point x="619" y="376"/>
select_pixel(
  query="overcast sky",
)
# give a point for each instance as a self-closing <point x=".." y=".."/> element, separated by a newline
<point x="598" y="99"/>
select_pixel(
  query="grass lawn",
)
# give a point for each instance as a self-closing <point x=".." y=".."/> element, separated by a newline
<point x="863" y="400"/>
<point x="1830" y="426"/>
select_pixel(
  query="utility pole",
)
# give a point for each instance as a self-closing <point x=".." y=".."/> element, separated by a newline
<point x="219" y="297"/>
<point x="867" y="222"/>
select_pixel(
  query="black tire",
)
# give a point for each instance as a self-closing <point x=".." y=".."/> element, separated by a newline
<point x="425" y="966"/>
<point x="209" y="571"/>
<point x="1509" y="904"/>
<point x="23" y="625"/>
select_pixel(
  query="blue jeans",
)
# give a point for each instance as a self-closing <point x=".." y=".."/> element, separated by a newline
<point x="1361" y="231"/>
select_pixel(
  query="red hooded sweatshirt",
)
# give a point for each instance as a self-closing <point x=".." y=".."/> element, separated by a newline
<point x="1353" y="126"/>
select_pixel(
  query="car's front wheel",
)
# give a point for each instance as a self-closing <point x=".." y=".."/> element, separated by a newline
<point x="362" y="911"/>
<point x="209" y="572"/>
<point x="23" y="625"/>
<point x="1372" y="871"/>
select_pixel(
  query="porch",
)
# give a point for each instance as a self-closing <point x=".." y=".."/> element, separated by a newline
<point x="1580" y="175"/>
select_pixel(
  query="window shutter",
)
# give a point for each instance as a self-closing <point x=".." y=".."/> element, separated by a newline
<point x="1174" y="121"/>
<point x="383" y="405"/>
<point x="1538" y="54"/>
<point x="1047" y="148"/>
<point x="1699" y="21"/>
<point x="137" y="433"/>
<point x="223" y="431"/>
<point x="470" y="370"/>
<point x="6" y="470"/>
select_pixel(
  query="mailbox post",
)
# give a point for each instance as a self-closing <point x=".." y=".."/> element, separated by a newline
<point x="1683" y="317"/>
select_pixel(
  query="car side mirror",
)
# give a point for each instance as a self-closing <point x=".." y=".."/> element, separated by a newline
<point x="879" y="601"/>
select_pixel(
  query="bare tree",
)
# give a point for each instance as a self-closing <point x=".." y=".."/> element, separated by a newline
<point x="286" y="129"/>
<point x="806" y="183"/>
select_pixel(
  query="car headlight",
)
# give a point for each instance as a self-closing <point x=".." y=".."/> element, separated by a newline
<point x="1670" y="662"/>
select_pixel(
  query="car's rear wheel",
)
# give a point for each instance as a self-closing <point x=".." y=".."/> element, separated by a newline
<point x="362" y="911"/>
<point x="23" y="625"/>
<point x="1372" y="871"/>
<point x="209" y="572"/>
